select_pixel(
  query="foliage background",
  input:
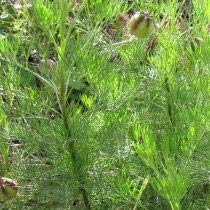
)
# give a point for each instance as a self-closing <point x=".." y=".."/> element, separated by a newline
<point x="129" y="126"/>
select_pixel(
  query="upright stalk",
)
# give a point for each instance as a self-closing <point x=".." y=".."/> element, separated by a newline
<point x="169" y="101"/>
<point x="78" y="172"/>
<point x="174" y="205"/>
<point x="65" y="33"/>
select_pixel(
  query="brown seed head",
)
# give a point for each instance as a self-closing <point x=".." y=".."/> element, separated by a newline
<point x="144" y="16"/>
<point x="141" y="25"/>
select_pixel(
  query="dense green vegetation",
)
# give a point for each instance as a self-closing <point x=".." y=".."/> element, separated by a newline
<point x="93" y="118"/>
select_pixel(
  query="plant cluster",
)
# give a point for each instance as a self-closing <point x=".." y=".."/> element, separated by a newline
<point x="102" y="107"/>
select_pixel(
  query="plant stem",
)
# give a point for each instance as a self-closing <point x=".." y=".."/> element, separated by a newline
<point x="144" y="184"/>
<point x="71" y="146"/>
<point x="79" y="173"/>
<point x="175" y="205"/>
<point x="169" y="102"/>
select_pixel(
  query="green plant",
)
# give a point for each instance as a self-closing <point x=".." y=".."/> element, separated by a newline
<point x="90" y="122"/>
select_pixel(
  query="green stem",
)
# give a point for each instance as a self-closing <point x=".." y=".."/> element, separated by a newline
<point x="175" y="205"/>
<point x="74" y="154"/>
<point x="79" y="173"/>
<point x="169" y="101"/>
